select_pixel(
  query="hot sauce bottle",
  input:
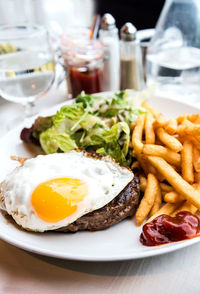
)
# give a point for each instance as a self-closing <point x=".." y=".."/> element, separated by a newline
<point x="83" y="62"/>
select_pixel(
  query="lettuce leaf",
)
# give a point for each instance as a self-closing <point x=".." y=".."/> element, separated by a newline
<point x="95" y="124"/>
<point x="51" y="141"/>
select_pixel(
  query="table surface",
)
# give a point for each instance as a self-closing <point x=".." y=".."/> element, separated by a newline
<point x="24" y="272"/>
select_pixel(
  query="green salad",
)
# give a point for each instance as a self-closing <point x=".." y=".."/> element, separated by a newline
<point x="94" y="123"/>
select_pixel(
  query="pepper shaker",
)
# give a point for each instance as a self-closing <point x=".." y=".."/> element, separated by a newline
<point x="131" y="70"/>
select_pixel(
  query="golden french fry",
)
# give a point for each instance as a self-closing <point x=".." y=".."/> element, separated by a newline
<point x="137" y="133"/>
<point x="171" y="126"/>
<point x="157" y="150"/>
<point x="153" y="111"/>
<point x="197" y="120"/>
<point x="186" y="206"/>
<point x="189" y="128"/>
<point x="132" y="126"/>
<point x="187" y="162"/>
<point x="190" y="117"/>
<point x="160" y="177"/>
<point x="192" y="139"/>
<point x="181" y="118"/>
<point x="166" y="188"/>
<point x="149" y="131"/>
<point x="157" y="202"/>
<point x="197" y="178"/>
<point x="148" y="199"/>
<point x="173" y="197"/>
<point x="167" y="208"/>
<point x="143" y="183"/>
<point x="170" y="141"/>
<point x="194" y="117"/>
<point x="147" y="168"/>
<point x="196" y="159"/>
<point x="179" y="184"/>
<point x="135" y="165"/>
<point x="137" y="145"/>
<point x="160" y="121"/>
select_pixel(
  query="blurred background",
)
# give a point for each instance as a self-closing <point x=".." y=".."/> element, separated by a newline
<point x="142" y="13"/>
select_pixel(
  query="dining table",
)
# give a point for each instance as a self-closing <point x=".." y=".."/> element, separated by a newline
<point x="23" y="272"/>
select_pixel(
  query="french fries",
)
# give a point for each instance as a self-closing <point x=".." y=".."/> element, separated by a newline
<point x="196" y="159"/>
<point x="149" y="131"/>
<point x="187" y="162"/>
<point x="158" y="150"/>
<point x="189" y="128"/>
<point x="170" y="141"/>
<point x="165" y="188"/>
<point x="158" y="200"/>
<point x="173" y="197"/>
<point x="168" y="156"/>
<point x="171" y="126"/>
<point x="157" y="115"/>
<point x="167" y="208"/>
<point x="148" y="199"/>
<point x="135" y="165"/>
<point x="179" y="184"/>
<point x="186" y="206"/>
<point x="137" y="134"/>
<point x="143" y="183"/>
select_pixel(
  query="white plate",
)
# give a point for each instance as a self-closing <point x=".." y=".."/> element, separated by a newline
<point x="120" y="242"/>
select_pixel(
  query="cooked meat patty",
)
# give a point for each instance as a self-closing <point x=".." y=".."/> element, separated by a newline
<point x="122" y="206"/>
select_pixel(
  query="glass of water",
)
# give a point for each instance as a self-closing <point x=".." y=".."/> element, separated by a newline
<point x="173" y="57"/>
<point x="27" y="68"/>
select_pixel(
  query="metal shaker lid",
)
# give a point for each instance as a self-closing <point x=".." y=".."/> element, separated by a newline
<point x="107" y="22"/>
<point x="128" y="32"/>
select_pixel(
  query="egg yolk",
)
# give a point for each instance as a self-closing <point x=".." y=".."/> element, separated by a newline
<point x="57" y="199"/>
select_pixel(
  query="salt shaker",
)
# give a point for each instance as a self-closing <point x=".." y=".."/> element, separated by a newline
<point x="108" y="35"/>
<point x="131" y="70"/>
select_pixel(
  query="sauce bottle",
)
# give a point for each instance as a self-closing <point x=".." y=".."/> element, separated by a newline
<point x="83" y="62"/>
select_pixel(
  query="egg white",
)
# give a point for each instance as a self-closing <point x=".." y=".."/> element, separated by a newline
<point x="105" y="180"/>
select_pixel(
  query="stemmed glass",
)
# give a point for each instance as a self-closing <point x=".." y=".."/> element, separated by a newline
<point x="27" y="67"/>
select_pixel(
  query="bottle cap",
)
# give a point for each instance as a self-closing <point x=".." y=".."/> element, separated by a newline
<point x="107" y="22"/>
<point x="128" y="32"/>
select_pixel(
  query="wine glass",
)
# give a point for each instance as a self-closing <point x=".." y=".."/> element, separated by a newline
<point x="27" y="67"/>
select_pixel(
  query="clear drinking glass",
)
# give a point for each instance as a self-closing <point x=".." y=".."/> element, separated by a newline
<point x="173" y="57"/>
<point x="27" y="68"/>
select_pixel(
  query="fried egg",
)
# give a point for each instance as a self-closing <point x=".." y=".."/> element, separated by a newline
<point x="52" y="191"/>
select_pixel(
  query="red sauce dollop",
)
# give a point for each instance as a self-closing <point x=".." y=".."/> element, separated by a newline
<point x="165" y="229"/>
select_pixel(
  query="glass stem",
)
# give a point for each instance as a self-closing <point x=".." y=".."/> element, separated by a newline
<point x="29" y="109"/>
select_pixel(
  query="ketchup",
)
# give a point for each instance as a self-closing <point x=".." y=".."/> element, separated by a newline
<point x="165" y="229"/>
<point x="90" y="80"/>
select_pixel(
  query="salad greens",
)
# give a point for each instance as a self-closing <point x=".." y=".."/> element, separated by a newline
<point x="94" y="123"/>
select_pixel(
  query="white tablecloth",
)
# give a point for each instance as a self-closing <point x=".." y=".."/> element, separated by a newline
<point x="23" y="272"/>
